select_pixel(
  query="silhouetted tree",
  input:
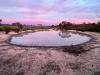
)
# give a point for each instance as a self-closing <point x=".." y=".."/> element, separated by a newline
<point x="64" y="25"/>
<point x="0" y="21"/>
<point x="20" y="26"/>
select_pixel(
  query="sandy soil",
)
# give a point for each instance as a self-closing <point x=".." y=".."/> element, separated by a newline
<point x="16" y="60"/>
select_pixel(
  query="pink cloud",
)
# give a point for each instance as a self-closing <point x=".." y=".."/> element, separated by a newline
<point x="78" y="21"/>
<point x="39" y="10"/>
<point x="53" y="21"/>
<point x="32" y="21"/>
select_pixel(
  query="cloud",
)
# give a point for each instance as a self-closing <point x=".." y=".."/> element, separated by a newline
<point x="49" y="10"/>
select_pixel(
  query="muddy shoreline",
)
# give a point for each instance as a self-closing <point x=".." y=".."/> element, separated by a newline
<point x="73" y="49"/>
<point x="75" y="32"/>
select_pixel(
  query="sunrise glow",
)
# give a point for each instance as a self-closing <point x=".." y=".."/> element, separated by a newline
<point x="49" y="11"/>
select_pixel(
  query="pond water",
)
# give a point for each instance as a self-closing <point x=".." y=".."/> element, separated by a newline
<point x="50" y="38"/>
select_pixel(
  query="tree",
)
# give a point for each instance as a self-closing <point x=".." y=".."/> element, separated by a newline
<point x="64" y="25"/>
<point x="0" y="21"/>
<point x="20" y="26"/>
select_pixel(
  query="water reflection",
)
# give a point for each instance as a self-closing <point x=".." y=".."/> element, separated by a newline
<point x="50" y="38"/>
<point x="64" y="34"/>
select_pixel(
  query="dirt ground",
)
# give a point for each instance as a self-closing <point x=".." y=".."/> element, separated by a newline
<point x="16" y="60"/>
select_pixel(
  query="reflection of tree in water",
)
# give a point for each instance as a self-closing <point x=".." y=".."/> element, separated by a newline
<point x="64" y="34"/>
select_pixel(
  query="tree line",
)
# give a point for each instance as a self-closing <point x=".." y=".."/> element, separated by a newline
<point x="94" y="27"/>
<point x="17" y="27"/>
<point x="64" y="25"/>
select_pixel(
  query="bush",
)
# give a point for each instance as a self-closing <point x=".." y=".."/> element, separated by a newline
<point x="1" y="28"/>
<point x="7" y="29"/>
<point x="15" y="29"/>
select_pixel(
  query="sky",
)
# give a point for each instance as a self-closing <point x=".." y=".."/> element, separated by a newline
<point x="49" y="11"/>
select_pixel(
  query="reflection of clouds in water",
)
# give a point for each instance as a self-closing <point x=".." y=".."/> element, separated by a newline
<point x="50" y="38"/>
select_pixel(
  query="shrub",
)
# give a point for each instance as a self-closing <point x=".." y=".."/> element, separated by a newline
<point x="15" y="28"/>
<point x="7" y="29"/>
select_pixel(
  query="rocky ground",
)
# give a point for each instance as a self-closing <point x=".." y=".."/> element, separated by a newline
<point x="16" y="60"/>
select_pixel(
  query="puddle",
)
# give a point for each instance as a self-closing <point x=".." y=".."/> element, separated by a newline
<point x="50" y="38"/>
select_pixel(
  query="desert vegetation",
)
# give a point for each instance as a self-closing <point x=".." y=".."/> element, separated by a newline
<point x="17" y="27"/>
<point x="94" y="27"/>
